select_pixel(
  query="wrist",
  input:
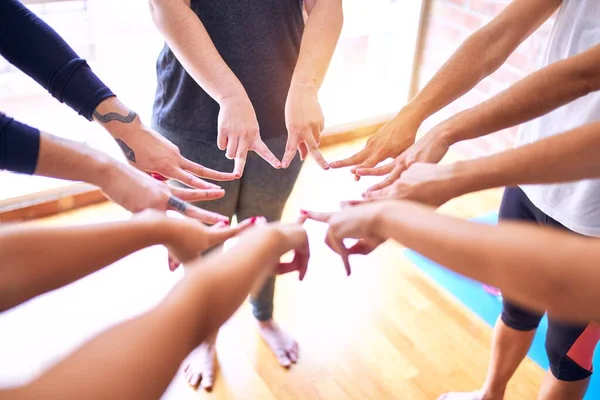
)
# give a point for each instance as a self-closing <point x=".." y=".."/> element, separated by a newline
<point x="304" y="84"/>
<point x="237" y="94"/>
<point x="116" y="128"/>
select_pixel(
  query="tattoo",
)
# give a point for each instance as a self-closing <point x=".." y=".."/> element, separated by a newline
<point x="113" y="116"/>
<point x="177" y="204"/>
<point x="129" y="153"/>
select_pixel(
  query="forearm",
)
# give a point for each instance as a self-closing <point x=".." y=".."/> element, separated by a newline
<point x="36" y="260"/>
<point x="530" y="98"/>
<point x="566" y="157"/>
<point x="563" y="266"/>
<point x="188" y="39"/>
<point x="65" y="159"/>
<point x="43" y="55"/>
<point x="319" y="40"/>
<point x="139" y="358"/>
<point x="482" y="54"/>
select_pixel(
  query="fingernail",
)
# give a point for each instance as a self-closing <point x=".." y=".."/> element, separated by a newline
<point x="158" y="177"/>
<point x="327" y="167"/>
<point x="303" y="212"/>
<point x="277" y="164"/>
<point x="226" y="223"/>
<point x="284" y="165"/>
<point x="253" y="220"/>
<point x="237" y="175"/>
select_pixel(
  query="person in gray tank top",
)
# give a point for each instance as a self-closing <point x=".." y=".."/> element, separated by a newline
<point x="241" y="77"/>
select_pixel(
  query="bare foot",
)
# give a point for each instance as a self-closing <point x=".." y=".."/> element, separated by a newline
<point x="201" y="365"/>
<point x="283" y="346"/>
<point x="479" y="395"/>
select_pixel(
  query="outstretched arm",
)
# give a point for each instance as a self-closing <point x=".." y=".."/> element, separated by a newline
<point x="26" y="150"/>
<point x="303" y="116"/>
<point x="479" y="56"/>
<point x="63" y="255"/>
<point x="566" y="157"/>
<point x="512" y="256"/>
<point x="138" y="359"/>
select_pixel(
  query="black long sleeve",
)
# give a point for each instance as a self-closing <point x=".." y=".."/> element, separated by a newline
<point x="19" y="146"/>
<point x="36" y="49"/>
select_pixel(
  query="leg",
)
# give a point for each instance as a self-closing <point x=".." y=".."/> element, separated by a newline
<point x="515" y="330"/>
<point x="264" y="191"/>
<point x="570" y="351"/>
<point x="201" y="365"/>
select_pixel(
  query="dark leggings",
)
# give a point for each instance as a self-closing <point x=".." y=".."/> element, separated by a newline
<point x="570" y="347"/>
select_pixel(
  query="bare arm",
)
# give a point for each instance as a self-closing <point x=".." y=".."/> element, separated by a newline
<point x="130" y="188"/>
<point x="303" y="115"/>
<point x="479" y="56"/>
<point x="539" y="268"/>
<point x="567" y="157"/>
<point x="529" y="98"/>
<point x="138" y="359"/>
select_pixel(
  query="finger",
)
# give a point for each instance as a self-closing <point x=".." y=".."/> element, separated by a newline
<point x="313" y="149"/>
<point x="301" y="258"/>
<point x="352" y="203"/>
<point x="232" y="145"/>
<point x="191" y="180"/>
<point x="174" y="263"/>
<point x="362" y="247"/>
<point x="370" y="162"/>
<point x="303" y="150"/>
<point x="223" y="233"/>
<point x="293" y="353"/>
<point x="284" y="360"/>
<point x="290" y="151"/>
<point x="391" y="178"/>
<point x="240" y="158"/>
<point x="204" y="172"/>
<point x="222" y="138"/>
<point x="263" y="151"/>
<point x="354" y="160"/>
<point x="194" y="212"/>
<point x="338" y="246"/>
<point x="376" y="171"/>
<point x="316" y="216"/>
<point x="191" y="195"/>
<point x="377" y="194"/>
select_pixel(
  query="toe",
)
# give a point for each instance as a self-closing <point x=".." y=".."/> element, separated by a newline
<point x="284" y="360"/>
<point x="293" y="352"/>
<point x="194" y="380"/>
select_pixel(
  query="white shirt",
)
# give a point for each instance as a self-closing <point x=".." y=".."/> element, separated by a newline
<point x="575" y="205"/>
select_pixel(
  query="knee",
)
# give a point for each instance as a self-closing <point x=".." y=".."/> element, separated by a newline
<point x="519" y="318"/>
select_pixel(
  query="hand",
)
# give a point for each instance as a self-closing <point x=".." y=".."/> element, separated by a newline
<point x="293" y="238"/>
<point x="149" y="151"/>
<point x="431" y="148"/>
<point x="239" y="133"/>
<point x="430" y="184"/>
<point x="187" y="238"/>
<point x="356" y="222"/>
<point x="136" y="191"/>
<point x="305" y="122"/>
<point x="388" y="142"/>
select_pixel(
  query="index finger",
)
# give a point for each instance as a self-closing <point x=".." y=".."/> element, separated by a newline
<point x="338" y="246"/>
<point x="316" y="216"/>
<point x="194" y="212"/>
<point x="353" y="160"/>
<point x="376" y="171"/>
<point x="204" y="172"/>
<point x="240" y="158"/>
<point x="262" y="150"/>
<point x="313" y="150"/>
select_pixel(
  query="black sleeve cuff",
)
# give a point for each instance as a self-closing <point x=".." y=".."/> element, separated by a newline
<point x="19" y="146"/>
<point x="76" y="85"/>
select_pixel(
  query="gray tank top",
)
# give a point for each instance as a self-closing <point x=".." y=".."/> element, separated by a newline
<point x="260" y="41"/>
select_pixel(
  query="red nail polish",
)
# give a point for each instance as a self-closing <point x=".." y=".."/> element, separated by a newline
<point x="253" y="220"/>
<point x="226" y="223"/>
<point x="303" y="212"/>
<point x="158" y="177"/>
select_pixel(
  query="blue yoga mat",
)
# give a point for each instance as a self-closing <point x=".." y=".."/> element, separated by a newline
<point x="488" y="307"/>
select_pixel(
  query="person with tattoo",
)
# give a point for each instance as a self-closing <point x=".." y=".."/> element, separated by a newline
<point x="242" y="77"/>
<point x="137" y="359"/>
<point x="43" y="55"/>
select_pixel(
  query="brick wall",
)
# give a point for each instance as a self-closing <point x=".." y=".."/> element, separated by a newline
<point x="447" y="24"/>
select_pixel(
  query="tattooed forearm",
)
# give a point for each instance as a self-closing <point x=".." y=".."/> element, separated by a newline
<point x="177" y="204"/>
<point x="113" y="116"/>
<point x="129" y="153"/>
